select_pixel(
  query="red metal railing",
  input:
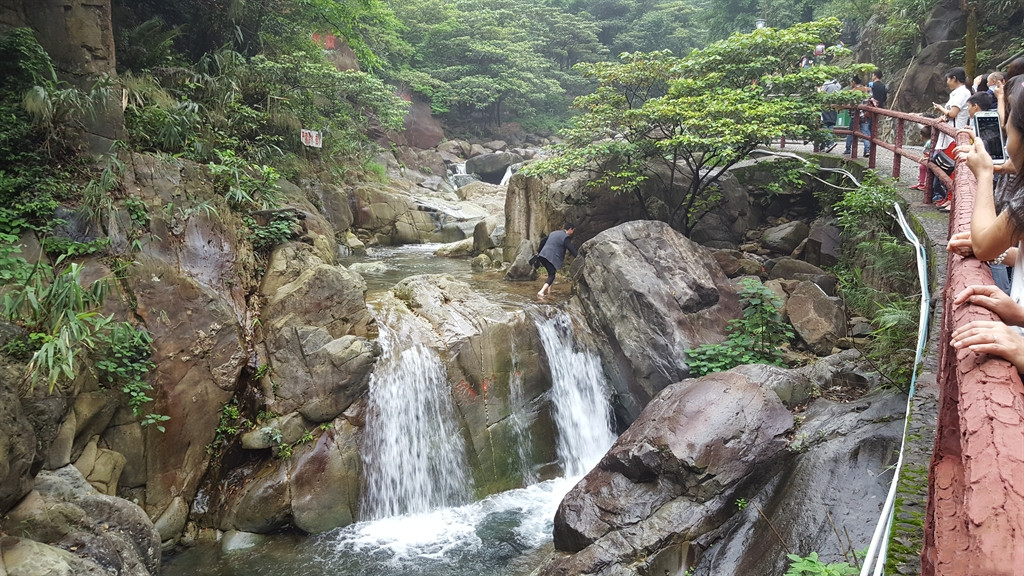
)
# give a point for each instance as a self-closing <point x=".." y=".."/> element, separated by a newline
<point x="899" y="152"/>
<point x="975" y="518"/>
<point x="974" y="523"/>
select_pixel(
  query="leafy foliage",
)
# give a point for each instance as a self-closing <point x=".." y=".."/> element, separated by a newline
<point x="665" y="129"/>
<point x="60" y="316"/>
<point x="882" y="286"/>
<point x="810" y="565"/>
<point x="256" y="106"/>
<point x="124" y="361"/>
<point x="756" y="338"/>
<point x="279" y="228"/>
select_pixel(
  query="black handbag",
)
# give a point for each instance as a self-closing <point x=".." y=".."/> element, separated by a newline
<point x="535" y="261"/>
<point x="944" y="162"/>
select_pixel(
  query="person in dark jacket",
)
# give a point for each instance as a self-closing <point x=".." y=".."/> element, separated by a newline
<point x="552" y="254"/>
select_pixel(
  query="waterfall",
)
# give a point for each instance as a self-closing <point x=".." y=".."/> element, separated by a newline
<point x="578" y="393"/>
<point x="519" y="416"/>
<point x="506" y="177"/>
<point x="413" y="455"/>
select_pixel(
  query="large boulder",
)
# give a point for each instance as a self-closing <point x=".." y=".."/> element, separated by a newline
<point x="316" y="324"/>
<point x="535" y="206"/>
<point x="691" y="447"/>
<point x="652" y="294"/>
<point x="664" y="498"/>
<point x="784" y="238"/>
<point x="67" y="514"/>
<point x="491" y="167"/>
<point x="817" y="318"/>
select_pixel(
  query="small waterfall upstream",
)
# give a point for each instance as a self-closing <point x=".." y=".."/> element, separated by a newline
<point x="578" y="392"/>
<point x="413" y="455"/>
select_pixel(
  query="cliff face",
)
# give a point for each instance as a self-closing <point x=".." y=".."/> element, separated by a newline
<point x="79" y="37"/>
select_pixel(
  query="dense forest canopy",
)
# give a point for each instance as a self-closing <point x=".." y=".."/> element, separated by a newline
<point x="488" y="62"/>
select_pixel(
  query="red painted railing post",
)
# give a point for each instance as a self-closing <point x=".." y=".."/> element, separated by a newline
<point x="896" y="158"/>
<point x="873" y="128"/>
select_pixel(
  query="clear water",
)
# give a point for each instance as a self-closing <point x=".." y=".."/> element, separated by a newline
<point x="420" y="530"/>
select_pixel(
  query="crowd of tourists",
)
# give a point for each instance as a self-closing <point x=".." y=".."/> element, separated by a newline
<point x="997" y="224"/>
<point x="997" y="220"/>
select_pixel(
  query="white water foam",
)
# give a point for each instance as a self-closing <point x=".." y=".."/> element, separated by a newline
<point x="413" y="455"/>
<point x="434" y="535"/>
<point x="580" y="398"/>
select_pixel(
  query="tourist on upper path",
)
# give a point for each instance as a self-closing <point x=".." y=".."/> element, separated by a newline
<point x="865" y="122"/>
<point x="552" y="254"/>
<point x="954" y="112"/>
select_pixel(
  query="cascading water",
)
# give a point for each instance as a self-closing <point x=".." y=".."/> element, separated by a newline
<point x="519" y="416"/>
<point x="582" y="409"/>
<point x="414" y="464"/>
<point x="413" y="455"/>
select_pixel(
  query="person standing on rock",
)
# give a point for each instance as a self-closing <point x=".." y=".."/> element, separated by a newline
<point x="552" y="254"/>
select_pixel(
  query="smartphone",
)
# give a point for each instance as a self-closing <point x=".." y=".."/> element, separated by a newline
<point x="987" y="127"/>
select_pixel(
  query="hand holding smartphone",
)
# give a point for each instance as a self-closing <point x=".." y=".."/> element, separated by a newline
<point x="988" y="128"/>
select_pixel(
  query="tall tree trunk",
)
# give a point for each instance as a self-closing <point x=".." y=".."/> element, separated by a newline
<point x="971" y="40"/>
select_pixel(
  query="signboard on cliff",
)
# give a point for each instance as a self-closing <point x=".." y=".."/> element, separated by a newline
<point x="311" y="138"/>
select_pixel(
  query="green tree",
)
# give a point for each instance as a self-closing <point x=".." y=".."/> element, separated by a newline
<point x="665" y="129"/>
<point x="469" y="57"/>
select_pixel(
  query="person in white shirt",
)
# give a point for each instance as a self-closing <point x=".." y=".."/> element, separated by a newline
<point x="955" y="113"/>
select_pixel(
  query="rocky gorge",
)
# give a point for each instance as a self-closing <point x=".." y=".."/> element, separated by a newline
<point x="264" y="362"/>
<point x="267" y="362"/>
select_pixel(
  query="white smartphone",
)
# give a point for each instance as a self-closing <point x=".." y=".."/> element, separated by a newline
<point x="987" y="127"/>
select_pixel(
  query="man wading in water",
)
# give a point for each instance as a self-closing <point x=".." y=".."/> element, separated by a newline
<point x="552" y="254"/>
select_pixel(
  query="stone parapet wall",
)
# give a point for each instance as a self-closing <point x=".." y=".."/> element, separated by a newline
<point x="975" y="518"/>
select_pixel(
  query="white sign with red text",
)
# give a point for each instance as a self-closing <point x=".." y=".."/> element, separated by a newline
<point x="311" y="138"/>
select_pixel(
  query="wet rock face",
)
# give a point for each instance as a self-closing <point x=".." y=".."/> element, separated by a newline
<point x="664" y="496"/>
<point x="17" y="447"/>
<point x="679" y="298"/>
<point x="483" y="347"/>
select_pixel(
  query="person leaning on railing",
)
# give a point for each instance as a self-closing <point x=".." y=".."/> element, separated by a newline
<point x="996" y="237"/>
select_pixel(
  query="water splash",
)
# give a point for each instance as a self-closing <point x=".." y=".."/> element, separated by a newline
<point x="579" y="395"/>
<point x="413" y="455"/>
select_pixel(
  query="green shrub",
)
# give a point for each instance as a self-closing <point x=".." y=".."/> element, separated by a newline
<point x="279" y="229"/>
<point x="124" y="361"/>
<point x="811" y="566"/>
<point x="756" y="338"/>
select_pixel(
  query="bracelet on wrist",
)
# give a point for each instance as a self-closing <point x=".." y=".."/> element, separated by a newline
<point x="998" y="259"/>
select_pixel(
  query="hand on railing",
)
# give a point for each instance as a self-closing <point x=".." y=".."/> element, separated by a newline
<point x="993" y="338"/>
<point x="993" y="298"/>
